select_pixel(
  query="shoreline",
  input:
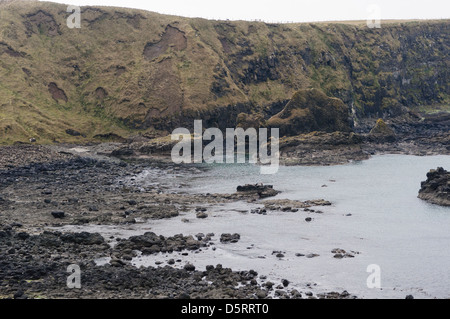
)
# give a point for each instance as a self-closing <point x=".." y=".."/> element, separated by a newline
<point x="39" y="198"/>
<point x="91" y="188"/>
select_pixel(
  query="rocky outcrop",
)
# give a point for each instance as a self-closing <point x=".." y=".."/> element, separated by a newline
<point x="320" y="148"/>
<point x="436" y="189"/>
<point x="261" y="190"/>
<point x="311" y="110"/>
<point x="150" y="243"/>
<point x="381" y="133"/>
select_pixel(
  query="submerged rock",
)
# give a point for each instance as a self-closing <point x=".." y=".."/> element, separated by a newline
<point x="436" y="189"/>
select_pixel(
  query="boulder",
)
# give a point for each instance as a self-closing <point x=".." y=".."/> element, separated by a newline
<point x="58" y="215"/>
<point x="381" y="132"/>
<point x="229" y="238"/>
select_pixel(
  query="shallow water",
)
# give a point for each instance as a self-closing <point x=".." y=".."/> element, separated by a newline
<point x="389" y="226"/>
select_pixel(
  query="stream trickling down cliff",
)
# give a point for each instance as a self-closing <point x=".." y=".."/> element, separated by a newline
<point x="376" y="215"/>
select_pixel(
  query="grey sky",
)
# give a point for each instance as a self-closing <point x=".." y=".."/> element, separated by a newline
<point x="285" y="10"/>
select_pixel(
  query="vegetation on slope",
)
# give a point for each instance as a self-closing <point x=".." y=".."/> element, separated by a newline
<point x="130" y="71"/>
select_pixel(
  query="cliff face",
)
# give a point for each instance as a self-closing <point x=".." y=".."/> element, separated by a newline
<point x="311" y="110"/>
<point x="129" y="70"/>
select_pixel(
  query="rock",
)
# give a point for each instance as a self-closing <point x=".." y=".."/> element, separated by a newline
<point x="23" y="235"/>
<point x="58" y="215"/>
<point x="83" y="238"/>
<point x="123" y="151"/>
<point x="311" y="110"/>
<point x="202" y="215"/>
<point x="229" y="238"/>
<point x="200" y="236"/>
<point x="261" y="294"/>
<point x="259" y="211"/>
<point x="171" y="261"/>
<point x="74" y="133"/>
<point x="409" y="297"/>
<point x="279" y="255"/>
<point x="436" y="189"/>
<point x="285" y="282"/>
<point x="261" y="190"/>
<point x="116" y="262"/>
<point x="381" y="133"/>
<point x="268" y="285"/>
<point x="189" y="267"/>
<point x="308" y="219"/>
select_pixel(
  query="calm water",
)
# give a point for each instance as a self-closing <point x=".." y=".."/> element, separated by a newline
<point x="407" y="237"/>
<point x="389" y="226"/>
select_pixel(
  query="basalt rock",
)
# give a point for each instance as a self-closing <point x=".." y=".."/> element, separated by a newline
<point x="150" y="243"/>
<point x="261" y="190"/>
<point x="230" y="238"/>
<point x="436" y="189"/>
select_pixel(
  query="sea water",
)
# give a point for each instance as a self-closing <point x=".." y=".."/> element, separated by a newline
<point x="375" y="215"/>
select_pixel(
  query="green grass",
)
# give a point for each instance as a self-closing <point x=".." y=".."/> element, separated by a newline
<point x="98" y="48"/>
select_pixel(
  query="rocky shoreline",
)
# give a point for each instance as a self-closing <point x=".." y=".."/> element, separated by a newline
<point x="409" y="134"/>
<point x="43" y="188"/>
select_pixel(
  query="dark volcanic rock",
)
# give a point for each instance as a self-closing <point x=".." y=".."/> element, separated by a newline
<point x="58" y="214"/>
<point x="150" y="243"/>
<point x="37" y="269"/>
<point x="436" y="189"/>
<point x="229" y="238"/>
<point x="261" y="190"/>
<point x="83" y="238"/>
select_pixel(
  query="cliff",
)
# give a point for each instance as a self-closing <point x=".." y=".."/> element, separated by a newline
<point x="127" y="71"/>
